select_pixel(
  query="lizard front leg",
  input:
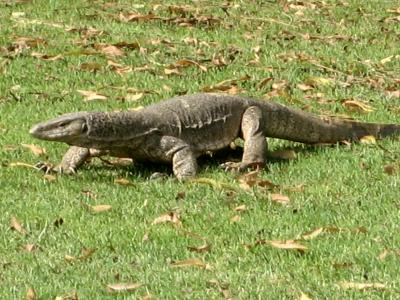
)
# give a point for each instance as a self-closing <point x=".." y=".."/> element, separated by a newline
<point x="75" y="157"/>
<point x="255" y="143"/>
<point x="184" y="160"/>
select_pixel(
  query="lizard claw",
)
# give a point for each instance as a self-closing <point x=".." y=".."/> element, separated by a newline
<point x="241" y="166"/>
<point x="64" y="170"/>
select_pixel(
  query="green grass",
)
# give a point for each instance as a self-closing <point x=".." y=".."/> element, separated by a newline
<point x="344" y="186"/>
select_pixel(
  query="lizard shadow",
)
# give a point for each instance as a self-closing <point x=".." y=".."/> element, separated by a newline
<point x="150" y="170"/>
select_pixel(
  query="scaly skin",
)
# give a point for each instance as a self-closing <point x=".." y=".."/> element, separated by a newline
<point x="180" y="129"/>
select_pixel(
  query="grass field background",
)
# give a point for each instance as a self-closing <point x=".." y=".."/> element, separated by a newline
<point x="342" y="203"/>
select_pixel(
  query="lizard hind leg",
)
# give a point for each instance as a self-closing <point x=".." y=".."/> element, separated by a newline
<point x="255" y="143"/>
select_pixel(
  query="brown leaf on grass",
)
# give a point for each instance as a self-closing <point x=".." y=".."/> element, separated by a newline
<point x="330" y="229"/>
<point x="304" y="297"/>
<point x="133" y="97"/>
<point x="28" y="42"/>
<point x="99" y="208"/>
<point x="252" y="179"/>
<point x="319" y="82"/>
<point x="357" y="106"/>
<point x="240" y="208"/>
<point x="284" y="245"/>
<point x="313" y="234"/>
<point x="387" y="252"/>
<point x="123" y="181"/>
<point x="186" y="63"/>
<point x="118" y="68"/>
<point x="191" y="262"/>
<point x="90" y="67"/>
<point x="172" y="71"/>
<point x="229" y="86"/>
<point x="70" y="258"/>
<point x="123" y="287"/>
<point x="279" y="198"/>
<point x="49" y="178"/>
<point x="214" y="183"/>
<point x="304" y="87"/>
<point x="135" y="17"/>
<point x="361" y="286"/>
<point x="16" y="225"/>
<point x="201" y="249"/>
<point x="30" y="247"/>
<point x="109" y="50"/>
<point x="279" y="85"/>
<point x="86" y="253"/>
<point x="47" y="57"/>
<point x="393" y="93"/>
<point x="368" y="139"/>
<point x="30" y="294"/>
<point x="384" y="254"/>
<point x="235" y="219"/>
<point x="38" y="151"/>
<point x="91" y="95"/>
<point x="390" y="169"/>
<point x="263" y="82"/>
<point x="169" y="217"/>
<point x="147" y="297"/>
<point x="227" y="89"/>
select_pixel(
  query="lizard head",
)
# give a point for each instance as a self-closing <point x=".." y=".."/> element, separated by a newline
<point x="67" y="128"/>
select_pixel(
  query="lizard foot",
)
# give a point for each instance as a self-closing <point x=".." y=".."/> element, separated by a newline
<point x="241" y="166"/>
<point x="61" y="169"/>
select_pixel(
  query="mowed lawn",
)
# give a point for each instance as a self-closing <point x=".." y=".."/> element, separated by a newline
<point x="318" y="223"/>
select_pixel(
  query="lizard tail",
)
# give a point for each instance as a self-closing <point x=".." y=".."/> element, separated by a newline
<point x="298" y="126"/>
<point x="377" y="130"/>
<point x="335" y="130"/>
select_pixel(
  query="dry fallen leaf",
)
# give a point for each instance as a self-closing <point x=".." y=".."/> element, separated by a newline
<point x="390" y="169"/>
<point x="251" y="179"/>
<point x="214" y="183"/>
<point x="304" y="87"/>
<point x="235" y="219"/>
<point x="279" y="198"/>
<point x="123" y="181"/>
<point x="240" y="208"/>
<point x="49" y="177"/>
<point x="361" y="286"/>
<point x="313" y="234"/>
<point x="91" y="95"/>
<point x="170" y="217"/>
<point x="46" y="56"/>
<point x="172" y="71"/>
<point x="30" y="247"/>
<point x="30" y="294"/>
<point x="191" y="262"/>
<point x="109" y="50"/>
<point x="100" y="208"/>
<point x="16" y="225"/>
<point x="368" y="139"/>
<point x="201" y="249"/>
<point x="187" y="62"/>
<point x="38" y="151"/>
<point x="123" y="287"/>
<point x="133" y="97"/>
<point x="304" y="297"/>
<point x="286" y="244"/>
<point x="319" y="81"/>
<point x="356" y="105"/>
